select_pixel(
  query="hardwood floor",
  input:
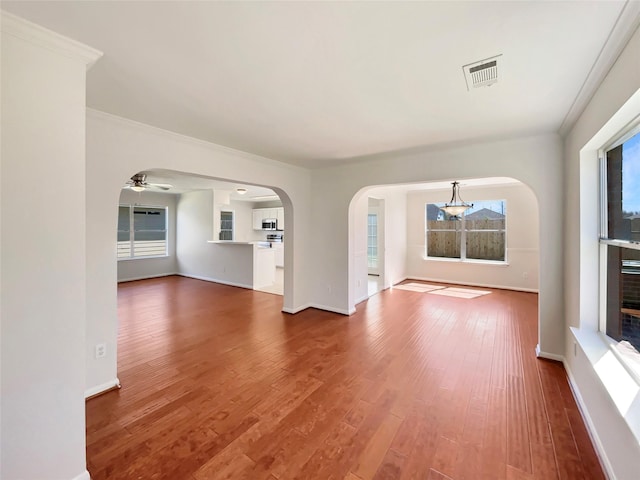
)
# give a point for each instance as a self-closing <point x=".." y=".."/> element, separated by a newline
<point x="217" y="383"/>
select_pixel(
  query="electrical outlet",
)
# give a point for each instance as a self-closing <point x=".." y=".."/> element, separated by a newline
<point x="101" y="350"/>
<point x="525" y="275"/>
<point x="359" y="282"/>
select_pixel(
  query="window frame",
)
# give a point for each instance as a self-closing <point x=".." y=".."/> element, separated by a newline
<point x="463" y="238"/>
<point x="604" y="242"/>
<point x="132" y="239"/>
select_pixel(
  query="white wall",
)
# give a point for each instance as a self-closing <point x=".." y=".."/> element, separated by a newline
<point x="118" y="148"/>
<point x="535" y="161"/>
<point x="42" y="253"/>
<point x="229" y="264"/>
<point x="243" y="214"/>
<point x="523" y="238"/>
<point x="395" y="235"/>
<point x="614" y="105"/>
<point x="135" y="269"/>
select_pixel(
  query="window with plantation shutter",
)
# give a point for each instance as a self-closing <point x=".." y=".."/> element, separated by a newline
<point x="142" y="231"/>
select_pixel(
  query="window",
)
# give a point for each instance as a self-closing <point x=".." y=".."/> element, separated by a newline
<point x="479" y="233"/>
<point x="226" y="226"/>
<point x="372" y="241"/>
<point x="620" y="244"/>
<point x="142" y="231"/>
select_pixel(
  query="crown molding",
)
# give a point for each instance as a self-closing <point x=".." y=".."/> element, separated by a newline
<point x="161" y="132"/>
<point x="45" y="38"/>
<point x="622" y="31"/>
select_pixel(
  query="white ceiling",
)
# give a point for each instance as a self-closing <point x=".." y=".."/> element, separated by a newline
<point x="313" y="83"/>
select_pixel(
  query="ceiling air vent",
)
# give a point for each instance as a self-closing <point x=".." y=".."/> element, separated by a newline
<point x="481" y="74"/>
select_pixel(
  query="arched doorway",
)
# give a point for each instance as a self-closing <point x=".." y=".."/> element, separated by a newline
<point x="406" y="235"/>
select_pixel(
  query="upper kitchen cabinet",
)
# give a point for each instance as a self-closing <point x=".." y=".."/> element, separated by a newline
<point x="280" y="217"/>
<point x="260" y="214"/>
<point x="257" y="218"/>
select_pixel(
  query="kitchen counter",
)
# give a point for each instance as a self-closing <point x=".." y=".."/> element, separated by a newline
<point x="233" y="242"/>
<point x="263" y="267"/>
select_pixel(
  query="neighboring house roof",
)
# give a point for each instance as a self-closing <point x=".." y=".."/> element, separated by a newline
<point x="432" y="211"/>
<point x="484" y="214"/>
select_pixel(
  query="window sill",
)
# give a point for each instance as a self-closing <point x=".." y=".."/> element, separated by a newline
<point x="617" y="378"/>
<point x="143" y="258"/>
<point x="496" y="263"/>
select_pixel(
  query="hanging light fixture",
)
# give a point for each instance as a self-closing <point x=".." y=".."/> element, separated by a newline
<point x="241" y="191"/>
<point x="456" y="205"/>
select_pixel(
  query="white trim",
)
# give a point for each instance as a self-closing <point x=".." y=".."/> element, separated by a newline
<point x="317" y="306"/>
<point x="127" y="259"/>
<point x="364" y="297"/>
<point x="216" y="280"/>
<point x="293" y="311"/>
<point x="391" y="285"/>
<point x="45" y="38"/>
<point x="147" y="277"/>
<point x="620" y="243"/>
<point x="83" y="476"/>
<point x="474" y="284"/>
<point x="143" y="127"/>
<point x="495" y="263"/>
<point x="624" y="28"/>
<point x="548" y="356"/>
<point x="341" y="311"/>
<point x="591" y="428"/>
<point x="619" y="383"/>
<point x="90" y="392"/>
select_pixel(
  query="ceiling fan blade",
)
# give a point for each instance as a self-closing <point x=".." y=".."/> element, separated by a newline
<point x="160" y="186"/>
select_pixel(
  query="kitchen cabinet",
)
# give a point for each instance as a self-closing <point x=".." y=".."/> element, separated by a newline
<point x="259" y="214"/>
<point x="257" y="219"/>
<point x="278" y="250"/>
<point x="280" y="217"/>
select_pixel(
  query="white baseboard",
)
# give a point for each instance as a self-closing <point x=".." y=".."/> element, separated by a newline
<point x="333" y="309"/>
<point x="396" y="282"/>
<point x="146" y="277"/>
<point x="548" y="356"/>
<point x="90" y="392"/>
<point x="319" y="307"/>
<point x="216" y="280"/>
<point x="474" y="284"/>
<point x="591" y="428"/>
<point x="362" y="299"/>
<point x="293" y="311"/>
<point x="83" y="476"/>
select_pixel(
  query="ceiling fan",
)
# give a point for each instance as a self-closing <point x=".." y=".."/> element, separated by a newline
<point x="138" y="183"/>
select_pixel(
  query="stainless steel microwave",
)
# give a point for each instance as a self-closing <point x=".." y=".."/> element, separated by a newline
<point x="269" y="224"/>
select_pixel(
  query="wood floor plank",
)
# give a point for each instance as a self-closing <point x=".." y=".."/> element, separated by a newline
<point x="218" y="383"/>
<point x="375" y="450"/>
<point x="391" y="466"/>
